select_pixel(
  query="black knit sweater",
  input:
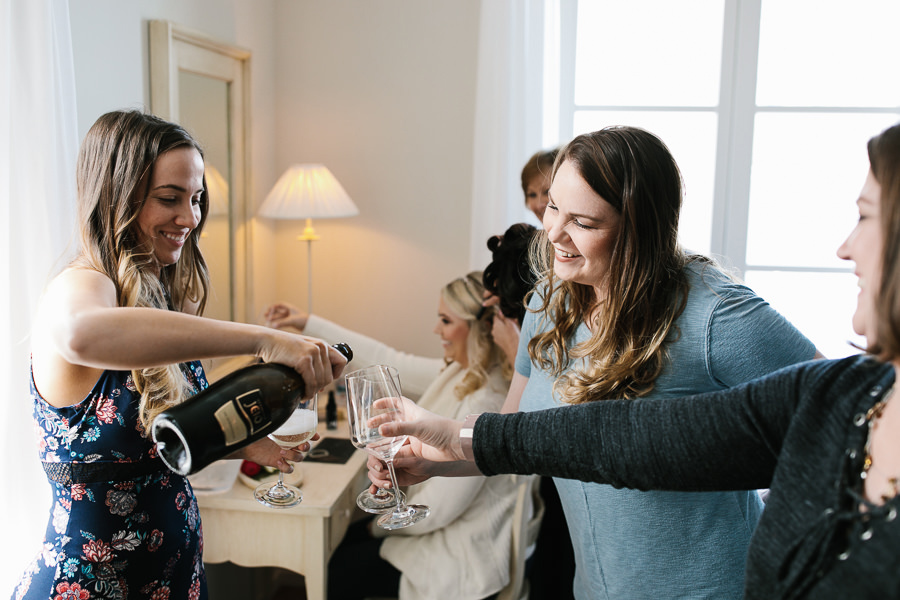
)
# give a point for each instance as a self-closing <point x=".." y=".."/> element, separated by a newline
<point x="799" y="431"/>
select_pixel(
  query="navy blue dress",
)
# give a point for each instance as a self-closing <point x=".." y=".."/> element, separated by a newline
<point x="136" y="536"/>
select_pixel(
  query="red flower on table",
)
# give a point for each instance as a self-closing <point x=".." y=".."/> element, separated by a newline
<point x="70" y="591"/>
<point x="250" y="469"/>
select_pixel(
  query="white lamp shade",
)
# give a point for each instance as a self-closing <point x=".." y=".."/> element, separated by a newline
<point x="218" y="192"/>
<point x="307" y="191"/>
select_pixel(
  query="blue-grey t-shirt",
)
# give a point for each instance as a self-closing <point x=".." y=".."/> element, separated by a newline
<point x="635" y="545"/>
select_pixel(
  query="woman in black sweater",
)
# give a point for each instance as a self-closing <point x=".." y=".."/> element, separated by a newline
<point x="824" y="436"/>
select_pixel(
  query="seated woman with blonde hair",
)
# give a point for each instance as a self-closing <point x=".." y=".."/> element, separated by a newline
<point x="463" y="549"/>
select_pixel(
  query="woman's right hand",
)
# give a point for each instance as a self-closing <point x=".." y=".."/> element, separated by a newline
<point x="315" y="360"/>
<point x="432" y="449"/>
<point x="432" y="440"/>
<point x="432" y="437"/>
<point x="282" y="314"/>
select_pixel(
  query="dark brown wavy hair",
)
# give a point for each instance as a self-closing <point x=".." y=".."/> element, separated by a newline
<point x="884" y="160"/>
<point x="633" y="171"/>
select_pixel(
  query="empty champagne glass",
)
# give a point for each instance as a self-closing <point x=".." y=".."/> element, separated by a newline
<point x="299" y="428"/>
<point x="383" y="500"/>
<point x="364" y="387"/>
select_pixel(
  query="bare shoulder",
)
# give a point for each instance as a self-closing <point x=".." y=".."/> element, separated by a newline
<point x="72" y="291"/>
<point x="79" y="280"/>
<point x="59" y="381"/>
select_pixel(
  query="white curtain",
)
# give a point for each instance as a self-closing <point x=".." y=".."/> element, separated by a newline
<point x="38" y="145"/>
<point x="508" y="114"/>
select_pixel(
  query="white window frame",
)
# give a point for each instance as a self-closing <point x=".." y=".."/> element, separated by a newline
<point x="736" y="113"/>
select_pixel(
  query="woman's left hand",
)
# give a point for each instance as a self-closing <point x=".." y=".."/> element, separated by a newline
<point x="267" y="453"/>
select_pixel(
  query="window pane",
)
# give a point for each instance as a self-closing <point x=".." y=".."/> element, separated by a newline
<point x="691" y="137"/>
<point x="648" y="52"/>
<point x="828" y="53"/>
<point x="818" y="304"/>
<point x="806" y="175"/>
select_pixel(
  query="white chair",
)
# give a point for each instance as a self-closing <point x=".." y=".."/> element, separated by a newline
<point x="529" y="510"/>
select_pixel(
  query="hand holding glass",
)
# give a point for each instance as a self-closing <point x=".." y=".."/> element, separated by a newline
<point x="364" y="388"/>
<point x="383" y="500"/>
<point x="299" y="428"/>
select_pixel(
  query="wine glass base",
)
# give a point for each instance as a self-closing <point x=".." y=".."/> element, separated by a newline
<point x="378" y="504"/>
<point x="275" y="496"/>
<point x="398" y="520"/>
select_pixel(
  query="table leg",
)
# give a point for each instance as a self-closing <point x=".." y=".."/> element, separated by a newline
<point x="316" y="574"/>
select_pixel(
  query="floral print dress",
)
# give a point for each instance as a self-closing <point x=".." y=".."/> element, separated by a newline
<point x="137" y="536"/>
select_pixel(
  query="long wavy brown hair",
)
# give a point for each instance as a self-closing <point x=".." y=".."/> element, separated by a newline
<point x="884" y="160"/>
<point x="113" y="170"/>
<point x="647" y="288"/>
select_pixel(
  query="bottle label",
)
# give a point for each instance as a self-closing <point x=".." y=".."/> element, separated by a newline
<point x="242" y="417"/>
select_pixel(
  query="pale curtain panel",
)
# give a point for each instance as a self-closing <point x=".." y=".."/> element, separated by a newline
<point x="38" y="145"/>
<point x="508" y="125"/>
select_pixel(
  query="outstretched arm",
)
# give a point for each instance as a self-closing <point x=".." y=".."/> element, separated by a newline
<point x="80" y="330"/>
<point x="728" y="440"/>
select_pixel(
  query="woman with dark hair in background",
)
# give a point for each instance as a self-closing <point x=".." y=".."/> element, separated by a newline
<point x="509" y="279"/>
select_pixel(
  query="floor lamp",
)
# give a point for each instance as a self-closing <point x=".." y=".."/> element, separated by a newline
<point x="308" y="191"/>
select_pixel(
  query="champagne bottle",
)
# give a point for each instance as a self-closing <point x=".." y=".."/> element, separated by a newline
<point x="235" y="411"/>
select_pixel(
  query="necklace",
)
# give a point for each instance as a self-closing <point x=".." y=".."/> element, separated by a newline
<point x="872" y="417"/>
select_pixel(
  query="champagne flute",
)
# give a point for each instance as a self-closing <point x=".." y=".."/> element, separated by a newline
<point x="383" y="500"/>
<point x="364" y="387"/>
<point x="299" y="428"/>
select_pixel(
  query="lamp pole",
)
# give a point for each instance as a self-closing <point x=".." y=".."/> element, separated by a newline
<point x="309" y="236"/>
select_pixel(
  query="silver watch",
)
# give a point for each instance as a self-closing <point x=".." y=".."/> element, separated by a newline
<point x="465" y="436"/>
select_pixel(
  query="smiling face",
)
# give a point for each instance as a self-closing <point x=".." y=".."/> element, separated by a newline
<point x="454" y="333"/>
<point x="172" y="206"/>
<point x="863" y="246"/>
<point x="582" y="227"/>
<point x="537" y="195"/>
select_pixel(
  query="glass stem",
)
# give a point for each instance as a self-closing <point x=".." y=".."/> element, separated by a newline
<point x="399" y="506"/>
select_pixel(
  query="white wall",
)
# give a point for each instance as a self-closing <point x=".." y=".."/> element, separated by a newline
<point x="109" y="40"/>
<point x="383" y="93"/>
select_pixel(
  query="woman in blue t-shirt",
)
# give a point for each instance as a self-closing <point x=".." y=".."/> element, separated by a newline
<point x="622" y="311"/>
<point x="824" y="435"/>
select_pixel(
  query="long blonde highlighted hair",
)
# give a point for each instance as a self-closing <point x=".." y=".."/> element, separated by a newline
<point x="114" y="167"/>
<point x="647" y="289"/>
<point x="464" y="296"/>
